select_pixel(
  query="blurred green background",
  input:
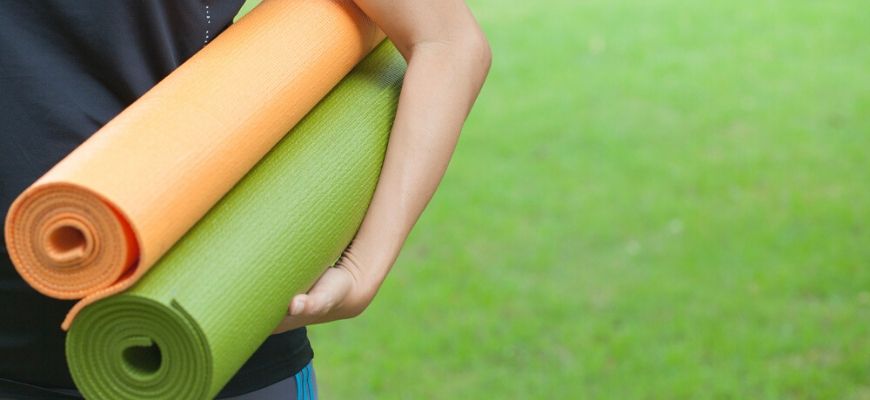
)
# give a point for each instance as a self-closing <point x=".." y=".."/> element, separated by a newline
<point x="652" y="199"/>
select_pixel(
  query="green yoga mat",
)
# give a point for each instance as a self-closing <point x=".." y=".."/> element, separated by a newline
<point x="198" y="315"/>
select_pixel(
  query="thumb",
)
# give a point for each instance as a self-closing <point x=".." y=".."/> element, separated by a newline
<point x="325" y="296"/>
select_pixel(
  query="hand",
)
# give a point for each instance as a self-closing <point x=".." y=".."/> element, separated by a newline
<point x="338" y="294"/>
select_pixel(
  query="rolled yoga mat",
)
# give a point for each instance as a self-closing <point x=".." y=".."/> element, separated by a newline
<point x="98" y="220"/>
<point x="184" y="329"/>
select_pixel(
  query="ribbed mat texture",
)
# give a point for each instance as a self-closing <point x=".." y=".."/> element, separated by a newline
<point x="99" y="219"/>
<point x="188" y="325"/>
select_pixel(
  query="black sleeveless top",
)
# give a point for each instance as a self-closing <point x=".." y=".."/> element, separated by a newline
<point x="66" y="68"/>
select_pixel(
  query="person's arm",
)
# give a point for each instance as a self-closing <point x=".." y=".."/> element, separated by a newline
<point x="448" y="60"/>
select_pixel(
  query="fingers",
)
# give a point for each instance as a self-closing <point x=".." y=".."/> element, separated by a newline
<point x="321" y="304"/>
<point x="286" y="324"/>
<point x="332" y="297"/>
<point x="298" y="315"/>
<point x="327" y="294"/>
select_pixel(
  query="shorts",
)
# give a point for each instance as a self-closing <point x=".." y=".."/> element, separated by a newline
<point x="302" y="386"/>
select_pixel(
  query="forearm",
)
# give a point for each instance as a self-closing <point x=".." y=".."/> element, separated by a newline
<point x="441" y="84"/>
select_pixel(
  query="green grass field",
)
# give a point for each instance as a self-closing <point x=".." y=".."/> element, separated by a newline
<point x="653" y="199"/>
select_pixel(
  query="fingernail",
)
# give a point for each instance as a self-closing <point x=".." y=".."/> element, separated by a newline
<point x="298" y="306"/>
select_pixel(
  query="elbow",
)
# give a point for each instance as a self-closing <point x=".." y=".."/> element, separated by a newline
<point x="477" y="48"/>
<point x="468" y="49"/>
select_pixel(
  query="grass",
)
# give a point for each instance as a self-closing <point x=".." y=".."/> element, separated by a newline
<point x="653" y="199"/>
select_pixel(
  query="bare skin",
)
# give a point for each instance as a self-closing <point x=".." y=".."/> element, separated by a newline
<point x="448" y="60"/>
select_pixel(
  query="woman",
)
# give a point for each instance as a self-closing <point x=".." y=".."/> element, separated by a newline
<point x="66" y="69"/>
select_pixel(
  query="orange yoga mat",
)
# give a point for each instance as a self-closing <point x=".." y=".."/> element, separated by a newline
<point x="98" y="220"/>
